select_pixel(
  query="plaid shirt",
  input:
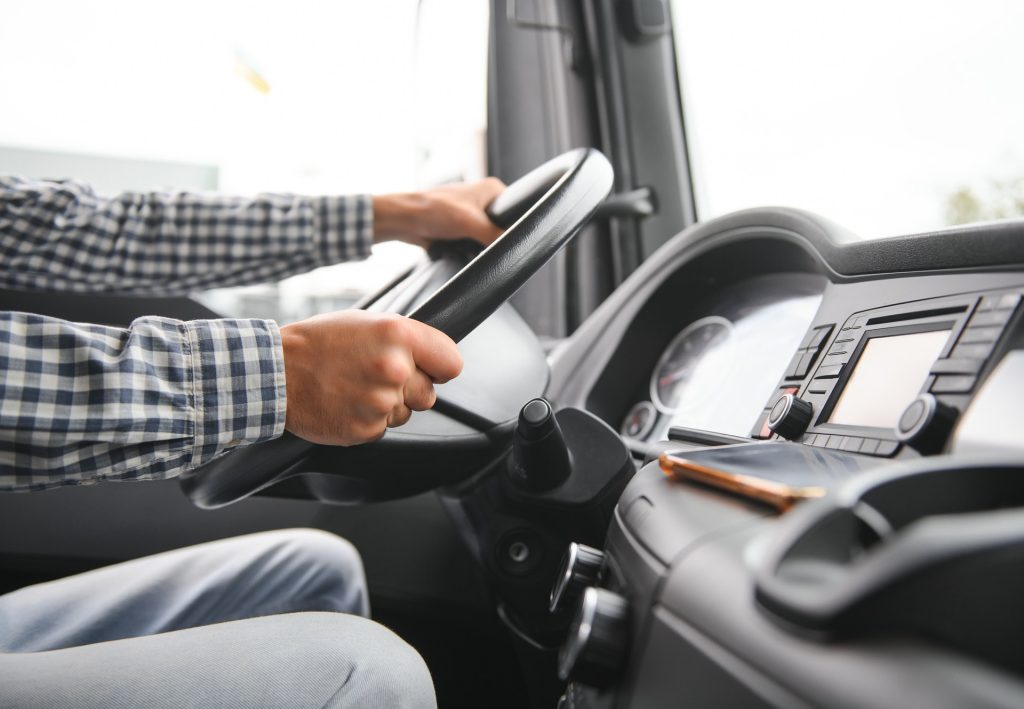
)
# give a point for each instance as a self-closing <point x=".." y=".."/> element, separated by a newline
<point x="81" y="403"/>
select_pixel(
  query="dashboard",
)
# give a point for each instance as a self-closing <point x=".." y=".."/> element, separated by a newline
<point x="876" y="372"/>
<point x="718" y="370"/>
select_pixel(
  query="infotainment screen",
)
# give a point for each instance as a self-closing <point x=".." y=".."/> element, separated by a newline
<point x="887" y="377"/>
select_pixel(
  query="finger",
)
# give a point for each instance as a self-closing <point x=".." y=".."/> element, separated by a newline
<point x="488" y="190"/>
<point x="473" y="220"/>
<point x="399" y="416"/>
<point x="482" y="229"/>
<point x="468" y="221"/>
<point x="434" y="353"/>
<point x="419" y="392"/>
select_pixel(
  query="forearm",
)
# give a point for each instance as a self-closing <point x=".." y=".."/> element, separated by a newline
<point x="61" y="236"/>
<point x="80" y="403"/>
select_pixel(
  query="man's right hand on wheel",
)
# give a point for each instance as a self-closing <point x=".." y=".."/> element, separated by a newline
<point x="351" y="375"/>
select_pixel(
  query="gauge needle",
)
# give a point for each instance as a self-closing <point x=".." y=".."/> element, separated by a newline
<point x="673" y="377"/>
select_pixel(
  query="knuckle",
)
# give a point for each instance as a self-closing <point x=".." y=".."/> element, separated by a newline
<point x="426" y="399"/>
<point x="393" y="369"/>
<point x="392" y="328"/>
<point x="380" y="402"/>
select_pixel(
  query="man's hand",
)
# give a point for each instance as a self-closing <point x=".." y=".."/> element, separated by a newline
<point x="446" y="212"/>
<point x="352" y="374"/>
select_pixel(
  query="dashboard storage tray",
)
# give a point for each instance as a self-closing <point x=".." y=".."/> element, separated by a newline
<point x="933" y="549"/>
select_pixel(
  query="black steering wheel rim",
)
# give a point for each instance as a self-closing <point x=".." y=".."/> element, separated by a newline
<point x="542" y="211"/>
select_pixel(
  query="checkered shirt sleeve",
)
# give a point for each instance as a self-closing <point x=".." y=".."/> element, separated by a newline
<point x="83" y="403"/>
<point x="61" y="236"/>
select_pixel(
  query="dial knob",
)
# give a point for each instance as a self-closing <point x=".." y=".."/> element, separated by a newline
<point x="790" y="416"/>
<point x="595" y="650"/>
<point x="581" y="567"/>
<point x="925" y="424"/>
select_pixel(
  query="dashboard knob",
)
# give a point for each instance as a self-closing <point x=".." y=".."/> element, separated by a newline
<point x="581" y="567"/>
<point x="540" y="458"/>
<point x="595" y="650"/>
<point x="790" y="416"/>
<point x="925" y="424"/>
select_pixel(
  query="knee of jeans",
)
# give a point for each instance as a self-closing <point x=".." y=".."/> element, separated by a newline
<point x="337" y="568"/>
<point x="387" y="672"/>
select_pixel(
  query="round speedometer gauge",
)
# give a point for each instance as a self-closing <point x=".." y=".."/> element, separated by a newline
<point x="692" y="364"/>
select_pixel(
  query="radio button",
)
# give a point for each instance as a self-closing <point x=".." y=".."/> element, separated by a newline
<point x="957" y="365"/>
<point x="1006" y="301"/>
<point x="974" y="335"/>
<point x="953" y="384"/>
<point x="835" y="442"/>
<point x="828" y="371"/>
<point x="986" y="318"/>
<point x="794" y="365"/>
<point x="869" y="446"/>
<point x="805" y="364"/>
<point x="818" y="336"/>
<point x="852" y="444"/>
<point x="974" y="351"/>
<point x="887" y="448"/>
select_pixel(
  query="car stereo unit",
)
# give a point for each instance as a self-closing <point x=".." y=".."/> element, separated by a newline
<point x="889" y="376"/>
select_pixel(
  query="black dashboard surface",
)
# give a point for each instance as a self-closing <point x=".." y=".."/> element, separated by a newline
<point x="686" y="557"/>
<point x="672" y="288"/>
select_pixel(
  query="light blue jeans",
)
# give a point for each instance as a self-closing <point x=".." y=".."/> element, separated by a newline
<point x="266" y="620"/>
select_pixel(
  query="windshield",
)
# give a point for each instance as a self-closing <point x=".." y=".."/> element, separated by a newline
<point x="887" y="117"/>
<point x="247" y="96"/>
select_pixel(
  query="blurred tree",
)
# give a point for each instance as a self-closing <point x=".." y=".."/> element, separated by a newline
<point x="1003" y="200"/>
<point x="963" y="207"/>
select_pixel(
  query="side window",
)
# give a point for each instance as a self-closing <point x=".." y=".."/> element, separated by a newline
<point x="888" y="117"/>
<point x="244" y="97"/>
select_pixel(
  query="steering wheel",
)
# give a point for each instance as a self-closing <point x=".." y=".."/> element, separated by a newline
<point x="543" y="211"/>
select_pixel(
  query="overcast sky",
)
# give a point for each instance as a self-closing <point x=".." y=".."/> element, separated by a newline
<point x="871" y="113"/>
<point x="353" y="104"/>
<point x="345" y="108"/>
